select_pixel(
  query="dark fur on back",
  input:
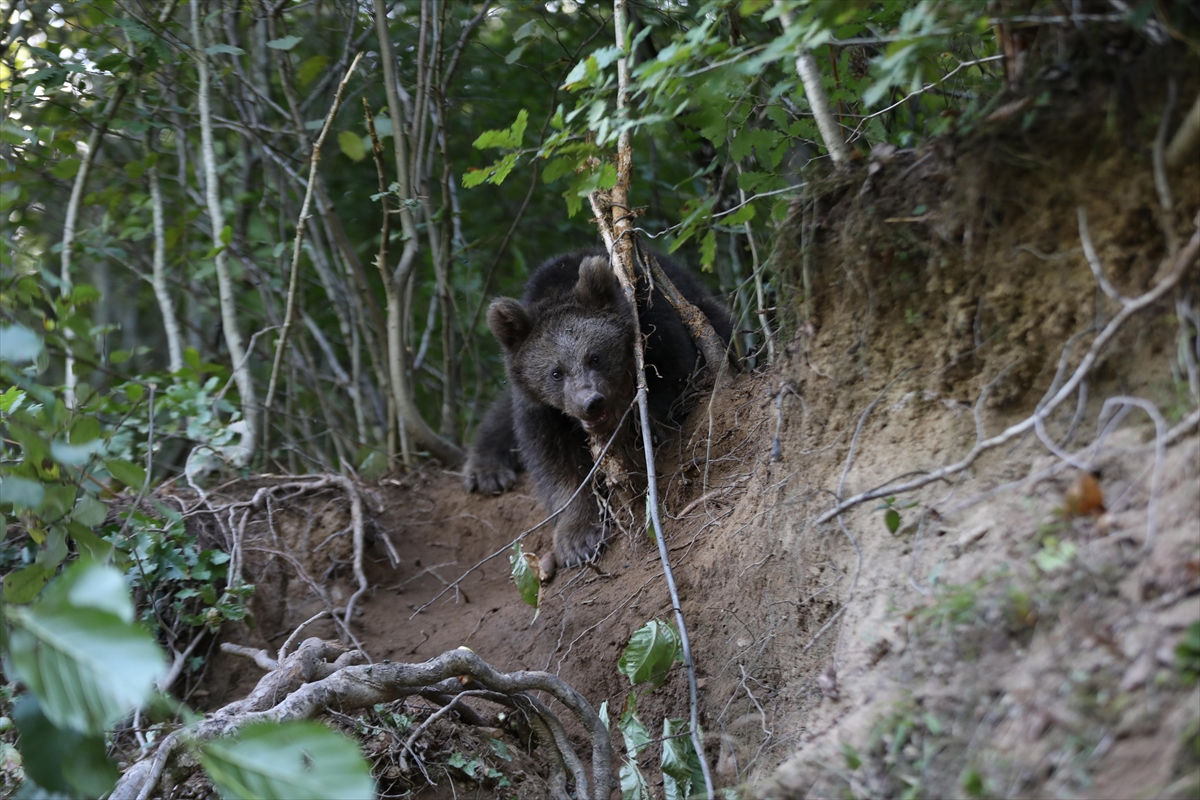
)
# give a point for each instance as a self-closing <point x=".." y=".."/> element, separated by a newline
<point x="569" y="354"/>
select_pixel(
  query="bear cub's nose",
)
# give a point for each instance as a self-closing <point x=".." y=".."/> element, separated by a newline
<point x="594" y="404"/>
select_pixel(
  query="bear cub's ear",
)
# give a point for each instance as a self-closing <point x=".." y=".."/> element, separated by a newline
<point x="509" y="321"/>
<point x="597" y="286"/>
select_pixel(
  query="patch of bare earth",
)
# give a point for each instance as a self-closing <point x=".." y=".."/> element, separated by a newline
<point x="993" y="645"/>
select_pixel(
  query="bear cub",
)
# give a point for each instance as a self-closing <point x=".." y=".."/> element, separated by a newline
<point x="568" y="349"/>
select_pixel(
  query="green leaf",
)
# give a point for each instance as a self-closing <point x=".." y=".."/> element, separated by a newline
<point x="352" y="145"/>
<point x="603" y="178"/>
<point x="892" y="520"/>
<point x="310" y="68"/>
<point x="708" y="251"/>
<point x="88" y="543"/>
<point x="651" y="652"/>
<point x="89" y="511"/>
<point x="118" y="356"/>
<point x="506" y="137"/>
<point x="739" y="217"/>
<point x="633" y="783"/>
<point x="557" y="168"/>
<point x="224" y="48"/>
<point x="514" y="54"/>
<point x="79" y="651"/>
<point x="286" y="43"/>
<point x="84" y="430"/>
<point x="18" y="344"/>
<point x="533" y="29"/>
<point x="11" y="400"/>
<point x="22" y="586"/>
<point x="297" y="760"/>
<point x="227" y="235"/>
<point x="21" y="492"/>
<point x="74" y="455"/>
<point x="126" y="472"/>
<point x="66" y="169"/>
<point x="61" y="760"/>
<point x="680" y="765"/>
<point x="524" y="574"/>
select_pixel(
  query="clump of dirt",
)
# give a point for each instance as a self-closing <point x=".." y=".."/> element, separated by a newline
<point x="985" y="634"/>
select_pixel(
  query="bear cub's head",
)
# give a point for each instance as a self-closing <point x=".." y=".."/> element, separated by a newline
<point x="572" y="349"/>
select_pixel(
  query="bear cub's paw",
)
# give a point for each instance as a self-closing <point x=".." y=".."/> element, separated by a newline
<point x="577" y="544"/>
<point x="486" y="477"/>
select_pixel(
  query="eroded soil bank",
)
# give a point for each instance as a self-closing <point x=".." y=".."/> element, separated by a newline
<point x="993" y="644"/>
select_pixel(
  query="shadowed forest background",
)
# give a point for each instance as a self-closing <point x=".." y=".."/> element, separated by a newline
<point x="246" y="252"/>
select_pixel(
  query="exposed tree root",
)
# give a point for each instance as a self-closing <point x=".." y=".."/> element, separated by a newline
<point x="323" y="675"/>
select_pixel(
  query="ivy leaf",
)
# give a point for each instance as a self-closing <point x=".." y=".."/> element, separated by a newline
<point x="286" y="43"/>
<point x="651" y="652"/>
<point x="298" y="760"/>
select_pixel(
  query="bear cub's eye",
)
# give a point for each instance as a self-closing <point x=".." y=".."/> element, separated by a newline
<point x="594" y="361"/>
<point x="557" y="375"/>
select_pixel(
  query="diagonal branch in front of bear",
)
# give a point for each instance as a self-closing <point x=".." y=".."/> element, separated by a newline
<point x="717" y="354"/>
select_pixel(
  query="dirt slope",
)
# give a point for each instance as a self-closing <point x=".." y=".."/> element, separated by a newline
<point x="993" y="645"/>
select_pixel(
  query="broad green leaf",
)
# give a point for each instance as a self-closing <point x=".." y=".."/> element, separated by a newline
<point x="632" y="730"/>
<point x="633" y="783"/>
<point x="127" y="473"/>
<point x="651" y="652"/>
<point x="74" y="455"/>
<point x="18" y="344"/>
<point x="88" y="543"/>
<point x="84" y="430"/>
<point x="61" y="760"/>
<point x="681" y="770"/>
<point x="524" y="574"/>
<point x="373" y="465"/>
<point x="227" y="235"/>
<point x="224" y="48"/>
<point x="514" y="54"/>
<point x="352" y="145"/>
<point x="21" y="492"/>
<point x="118" y="356"/>
<point x="79" y="651"/>
<point x="286" y="43"/>
<point x="89" y="511"/>
<point x="297" y="760"/>
<point x="892" y="519"/>
<point x="66" y="169"/>
<point x="313" y="66"/>
<point x="23" y="585"/>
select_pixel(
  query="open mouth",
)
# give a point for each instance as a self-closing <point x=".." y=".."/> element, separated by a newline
<point x="596" y="421"/>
